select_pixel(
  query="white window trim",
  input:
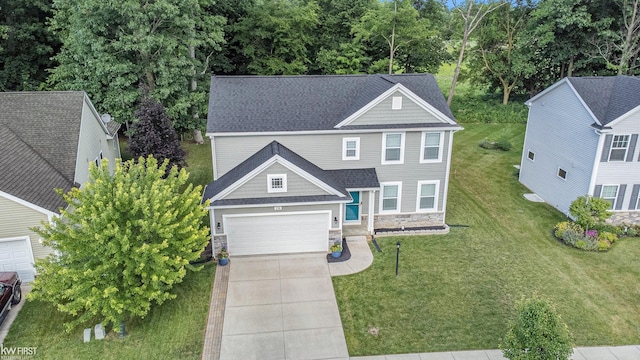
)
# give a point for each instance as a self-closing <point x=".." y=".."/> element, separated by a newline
<point x="626" y="149"/>
<point x="390" y="183"/>
<point x="565" y="174"/>
<point x="419" y="195"/>
<point x="384" y="149"/>
<point x="440" y="147"/>
<point x="344" y="148"/>
<point x="396" y="103"/>
<point x="534" y="156"/>
<point x="275" y="176"/>
<point x="615" y="198"/>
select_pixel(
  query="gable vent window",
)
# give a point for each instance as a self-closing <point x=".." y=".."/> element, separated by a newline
<point x="619" y="147"/>
<point x="276" y="183"/>
<point x="531" y="156"/>
<point x="562" y="174"/>
<point x="396" y="103"/>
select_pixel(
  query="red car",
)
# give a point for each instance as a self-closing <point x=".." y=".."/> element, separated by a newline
<point x="10" y="293"/>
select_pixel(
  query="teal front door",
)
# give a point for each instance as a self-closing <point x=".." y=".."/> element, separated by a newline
<point x="352" y="212"/>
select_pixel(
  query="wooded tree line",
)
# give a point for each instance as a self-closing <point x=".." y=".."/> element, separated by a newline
<point x="172" y="47"/>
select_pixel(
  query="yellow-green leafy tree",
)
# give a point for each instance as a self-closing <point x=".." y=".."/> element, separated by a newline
<point x="123" y="242"/>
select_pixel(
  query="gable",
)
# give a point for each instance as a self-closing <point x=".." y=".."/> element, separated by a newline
<point x="256" y="187"/>
<point x="398" y="108"/>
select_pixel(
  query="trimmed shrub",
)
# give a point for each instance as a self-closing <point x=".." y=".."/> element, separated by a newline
<point x="503" y="145"/>
<point x="610" y="228"/>
<point x="607" y="236"/>
<point x="486" y="144"/>
<point x="538" y="333"/>
<point x="603" y="245"/>
<point x="561" y="227"/>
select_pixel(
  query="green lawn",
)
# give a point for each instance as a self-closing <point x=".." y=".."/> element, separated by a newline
<point x="457" y="291"/>
<point x="173" y="330"/>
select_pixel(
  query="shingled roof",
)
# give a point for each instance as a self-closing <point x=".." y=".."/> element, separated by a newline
<point x="260" y="157"/>
<point x="306" y="102"/>
<point x="39" y="135"/>
<point x="608" y="97"/>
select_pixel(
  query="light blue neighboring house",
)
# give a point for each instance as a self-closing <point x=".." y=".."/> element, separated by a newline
<point x="301" y="161"/>
<point x="581" y="139"/>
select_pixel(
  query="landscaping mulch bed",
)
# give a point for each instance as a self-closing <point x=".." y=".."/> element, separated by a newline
<point x="346" y="254"/>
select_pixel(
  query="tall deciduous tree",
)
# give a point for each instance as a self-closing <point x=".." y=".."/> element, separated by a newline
<point x="125" y="240"/>
<point x="154" y="135"/>
<point x="399" y="27"/>
<point x="471" y="15"/>
<point x="275" y="37"/>
<point x="620" y="47"/>
<point x="499" y="59"/>
<point x="26" y="45"/>
<point x="109" y="48"/>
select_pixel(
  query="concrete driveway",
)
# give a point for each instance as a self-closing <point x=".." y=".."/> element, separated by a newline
<point x="281" y="307"/>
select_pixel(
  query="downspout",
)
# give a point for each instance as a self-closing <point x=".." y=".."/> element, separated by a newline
<point x="596" y="162"/>
<point x="370" y="212"/>
<point x="213" y="157"/>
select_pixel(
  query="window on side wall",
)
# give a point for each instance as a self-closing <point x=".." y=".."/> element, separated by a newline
<point x="393" y="148"/>
<point x="431" y="147"/>
<point x="427" y="196"/>
<point x="276" y="183"/>
<point x="531" y="155"/>
<point x="619" y="147"/>
<point x="390" y="197"/>
<point x="351" y="149"/>
<point x="562" y="174"/>
<point x="610" y="194"/>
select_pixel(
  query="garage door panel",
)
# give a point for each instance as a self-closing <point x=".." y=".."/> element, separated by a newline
<point x="16" y="256"/>
<point x="277" y="234"/>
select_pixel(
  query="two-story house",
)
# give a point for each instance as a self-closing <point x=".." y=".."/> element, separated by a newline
<point x="300" y="161"/>
<point x="47" y="141"/>
<point x="581" y="139"/>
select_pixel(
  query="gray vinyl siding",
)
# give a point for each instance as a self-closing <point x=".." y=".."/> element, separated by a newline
<point x="560" y="135"/>
<point x="218" y="213"/>
<point x="93" y="139"/>
<point x="382" y="114"/>
<point x="17" y="219"/>
<point x="325" y="151"/>
<point x="257" y="187"/>
<point x="623" y="172"/>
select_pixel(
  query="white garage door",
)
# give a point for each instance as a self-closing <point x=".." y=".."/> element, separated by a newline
<point x="15" y="255"/>
<point x="277" y="234"/>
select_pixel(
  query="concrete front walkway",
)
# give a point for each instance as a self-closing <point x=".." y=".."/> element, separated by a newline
<point x="281" y="307"/>
<point x="361" y="257"/>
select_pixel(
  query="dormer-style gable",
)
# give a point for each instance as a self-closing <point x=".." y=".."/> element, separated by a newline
<point x="269" y="173"/>
<point x="287" y="104"/>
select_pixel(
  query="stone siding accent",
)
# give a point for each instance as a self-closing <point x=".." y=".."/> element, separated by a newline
<point x="393" y="221"/>
<point x="219" y="242"/>
<point x="334" y="235"/>
<point x="625" y="217"/>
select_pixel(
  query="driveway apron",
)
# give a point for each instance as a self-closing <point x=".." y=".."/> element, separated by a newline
<point x="281" y="307"/>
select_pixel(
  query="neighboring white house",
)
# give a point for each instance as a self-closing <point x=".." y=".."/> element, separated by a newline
<point x="47" y="141"/>
<point x="300" y="161"/>
<point x="581" y="139"/>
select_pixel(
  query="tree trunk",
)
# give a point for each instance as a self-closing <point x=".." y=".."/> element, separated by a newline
<point x="570" y="68"/>
<point x="456" y="72"/>
<point x="197" y="134"/>
<point x="151" y="81"/>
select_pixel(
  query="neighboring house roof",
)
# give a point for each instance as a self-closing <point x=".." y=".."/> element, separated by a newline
<point x="608" y="97"/>
<point x="336" y="179"/>
<point x="40" y="132"/>
<point x="307" y="102"/>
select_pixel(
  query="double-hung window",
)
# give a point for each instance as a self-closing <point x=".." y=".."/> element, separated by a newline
<point x="390" y="197"/>
<point x="619" y="147"/>
<point x="351" y="148"/>
<point x="427" y="196"/>
<point x="610" y="194"/>
<point x="431" y="147"/>
<point x="392" y="148"/>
